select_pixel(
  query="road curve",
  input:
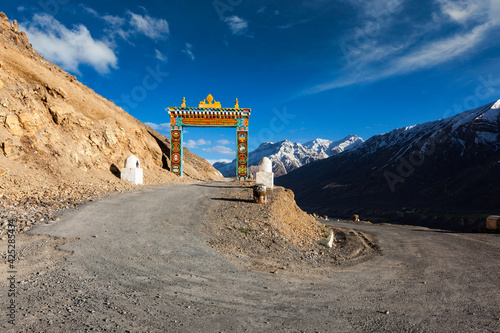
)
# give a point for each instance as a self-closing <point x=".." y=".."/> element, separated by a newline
<point x="141" y="264"/>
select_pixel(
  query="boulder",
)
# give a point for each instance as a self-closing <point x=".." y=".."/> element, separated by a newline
<point x="13" y="126"/>
<point x="493" y="222"/>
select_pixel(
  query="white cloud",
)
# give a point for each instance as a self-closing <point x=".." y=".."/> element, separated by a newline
<point x="21" y="9"/>
<point x="159" y="127"/>
<point x="192" y="144"/>
<point x="114" y="21"/>
<point x="377" y="8"/>
<point x="131" y="25"/>
<point x="90" y="10"/>
<point x="293" y="24"/>
<point x="223" y="142"/>
<point x="149" y="26"/>
<point x="115" y="25"/>
<point x="237" y="25"/>
<point x="160" y="56"/>
<point x="427" y="56"/>
<point x="435" y="53"/>
<point x="463" y="11"/>
<point x="460" y="11"/>
<point x="223" y="160"/>
<point x="220" y="150"/>
<point x="377" y="59"/>
<point x="69" y="48"/>
<point x="189" y="51"/>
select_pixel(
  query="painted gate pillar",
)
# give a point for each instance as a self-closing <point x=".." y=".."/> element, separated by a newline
<point x="209" y="113"/>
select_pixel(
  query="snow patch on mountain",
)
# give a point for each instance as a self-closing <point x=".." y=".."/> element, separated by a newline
<point x="327" y="148"/>
<point x="497" y="105"/>
<point x="287" y="156"/>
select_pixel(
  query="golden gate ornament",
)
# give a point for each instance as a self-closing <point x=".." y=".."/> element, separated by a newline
<point x="209" y="113"/>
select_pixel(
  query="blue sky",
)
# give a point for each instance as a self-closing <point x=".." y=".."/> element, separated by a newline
<point x="308" y="69"/>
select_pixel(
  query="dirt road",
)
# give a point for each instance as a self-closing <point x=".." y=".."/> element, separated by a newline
<point x="141" y="264"/>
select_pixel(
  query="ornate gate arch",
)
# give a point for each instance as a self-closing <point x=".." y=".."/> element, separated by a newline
<point x="209" y="113"/>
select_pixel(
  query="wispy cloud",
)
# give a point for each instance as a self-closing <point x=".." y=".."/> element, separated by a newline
<point x="460" y="11"/>
<point x="220" y="150"/>
<point x="192" y="144"/>
<point x="189" y="51"/>
<point x="115" y="25"/>
<point x="223" y="142"/>
<point x="152" y="27"/>
<point x="375" y="8"/>
<point x="69" y="48"/>
<point x="160" y="56"/>
<point x="293" y="24"/>
<point x="132" y="24"/>
<point x="237" y="25"/>
<point x="385" y="55"/>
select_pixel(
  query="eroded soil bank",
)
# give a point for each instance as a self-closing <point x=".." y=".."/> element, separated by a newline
<point x="278" y="235"/>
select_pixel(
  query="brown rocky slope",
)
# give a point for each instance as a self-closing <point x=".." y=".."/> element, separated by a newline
<point x="61" y="143"/>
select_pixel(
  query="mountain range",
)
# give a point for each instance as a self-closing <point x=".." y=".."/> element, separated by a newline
<point x="288" y="156"/>
<point x="414" y="174"/>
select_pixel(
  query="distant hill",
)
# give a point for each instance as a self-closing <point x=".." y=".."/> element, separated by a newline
<point x="288" y="156"/>
<point x="418" y="174"/>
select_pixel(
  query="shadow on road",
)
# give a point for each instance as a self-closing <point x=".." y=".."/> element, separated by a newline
<point x="233" y="199"/>
<point x="222" y="186"/>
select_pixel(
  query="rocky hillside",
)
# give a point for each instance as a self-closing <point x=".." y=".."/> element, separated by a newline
<point x="444" y="173"/>
<point x="288" y="156"/>
<point x="59" y="139"/>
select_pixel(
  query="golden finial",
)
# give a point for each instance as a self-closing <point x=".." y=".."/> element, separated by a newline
<point x="236" y="106"/>
<point x="210" y="98"/>
<point x="209" y="103"/>
<point x="183" y="102"/>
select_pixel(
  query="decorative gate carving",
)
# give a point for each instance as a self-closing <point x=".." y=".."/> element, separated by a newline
<point x="209" y="113"/>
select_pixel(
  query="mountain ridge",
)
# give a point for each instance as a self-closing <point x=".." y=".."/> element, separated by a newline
<point x="448" y="164"/>
<point x="287" y="156"/>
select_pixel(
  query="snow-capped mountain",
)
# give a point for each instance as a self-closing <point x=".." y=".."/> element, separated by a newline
<point x="327" y="148"/>
<point x="288" y="156"/>
<point x="447" y="164"/>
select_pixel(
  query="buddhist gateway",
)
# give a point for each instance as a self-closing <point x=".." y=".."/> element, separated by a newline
<point x="209" y="113"/>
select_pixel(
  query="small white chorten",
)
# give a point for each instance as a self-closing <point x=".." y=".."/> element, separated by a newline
<point x="265" y="175"/>
<point x="132" y="173"/>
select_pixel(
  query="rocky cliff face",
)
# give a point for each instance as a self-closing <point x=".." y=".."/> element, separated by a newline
<point x="55" y="130"/>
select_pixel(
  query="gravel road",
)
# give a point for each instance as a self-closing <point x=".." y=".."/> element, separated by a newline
<point x="140" y="264"/>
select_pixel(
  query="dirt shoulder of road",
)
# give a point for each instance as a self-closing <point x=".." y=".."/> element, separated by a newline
<point x="278" y="236"/>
